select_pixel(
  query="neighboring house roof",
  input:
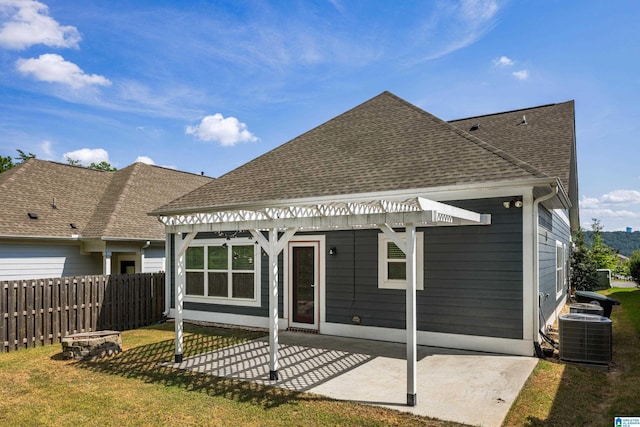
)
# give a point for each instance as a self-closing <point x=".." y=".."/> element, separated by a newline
<point x="100" y="204"/>
<point x="384" y="144"/>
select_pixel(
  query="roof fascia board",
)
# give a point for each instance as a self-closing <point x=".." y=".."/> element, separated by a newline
<point x="131" y="239"/>
<point x="473" y="190"/>
<point x="51" y="238"/>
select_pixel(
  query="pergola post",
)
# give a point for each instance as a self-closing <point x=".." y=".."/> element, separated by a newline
<point x="273" y="247"/>
<point x="181" y="249"/>
<point x="273" y="305"/>
<point x="412" y="375"/>
<point x="408" y="246"/>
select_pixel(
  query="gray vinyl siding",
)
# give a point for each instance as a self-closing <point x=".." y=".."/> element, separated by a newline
<point x="153" y="260"/>
<point x="39" y="260"/>
<point x="473" y="278"/>
<point x="548" y="234"/>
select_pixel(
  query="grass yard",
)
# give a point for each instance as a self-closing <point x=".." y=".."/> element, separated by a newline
<point x="133" y="388"/>
<point x="559" y="394"/>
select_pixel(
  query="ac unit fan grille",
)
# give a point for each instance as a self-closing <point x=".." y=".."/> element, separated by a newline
<point x="585" y="338"/>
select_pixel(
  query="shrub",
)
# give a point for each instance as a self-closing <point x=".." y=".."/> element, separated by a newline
<point x="634" y="266"/>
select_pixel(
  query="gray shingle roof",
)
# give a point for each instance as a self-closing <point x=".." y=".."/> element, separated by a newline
<point x="545" y="140"/>
<point x="100" y="204"/>
<point x="383" y="144"/>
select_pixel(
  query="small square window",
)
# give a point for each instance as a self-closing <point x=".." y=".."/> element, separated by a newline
<point x="392" y="265"/>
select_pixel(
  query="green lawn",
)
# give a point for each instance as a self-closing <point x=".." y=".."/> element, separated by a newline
<point x="133" y="388"/>
<point x="559" y="394"/>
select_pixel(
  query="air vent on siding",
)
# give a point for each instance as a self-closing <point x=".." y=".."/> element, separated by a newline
<point x="585" y="338"/>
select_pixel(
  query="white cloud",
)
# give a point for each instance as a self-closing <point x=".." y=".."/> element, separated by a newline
<point x="622" y="196"/>
<point x="86" y="156"/>
<point x="455" y="26"/>
<point x="52" y="68"/>
<point x="227" y="132"/>
<point x="30" y="24"/>
<point x="145" y="159"/>
<point x="45" y="147"/>
<point x="615" y="210"/>
<point x="503" y="61"/>
<point x="521" y="75"/>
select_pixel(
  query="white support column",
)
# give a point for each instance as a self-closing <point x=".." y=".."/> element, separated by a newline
<point x="181" y="249"/>
<point x="106" y="263"/>
<point x="273" y="247"/>
<point x="408" y="246"/>
<point x="412" y="349"/>
<point x="273" y="305"/>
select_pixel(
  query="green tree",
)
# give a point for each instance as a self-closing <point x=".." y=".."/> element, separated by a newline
<point x="634" y="266"/>
<point x="6" y="163"/>
<point x="102" y="166"/>
<point x="583" y="268"/>
<point x="73" y="162"/>
<point x="601" y="254"/>
<point x="23" y="157"/>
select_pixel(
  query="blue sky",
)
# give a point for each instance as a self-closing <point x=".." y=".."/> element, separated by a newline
<point x="208" y="85"/>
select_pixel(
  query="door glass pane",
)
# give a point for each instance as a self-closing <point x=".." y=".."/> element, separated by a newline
<point x="242" y="257"/>
<point x="217" y="258"/>
<point x="218" y="285"/>
<point x="242" y="285"/>
<point x="195" y="257"/>
<point x="304" y="284"/>
<point x="195" y="283"/>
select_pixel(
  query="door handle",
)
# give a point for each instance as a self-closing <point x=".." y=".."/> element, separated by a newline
<point x="313" y="285"/>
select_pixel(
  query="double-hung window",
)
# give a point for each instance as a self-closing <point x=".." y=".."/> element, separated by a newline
<point x="561" y="273"/>
<point x="392" y="263"/>
<point x="224" y="272"/>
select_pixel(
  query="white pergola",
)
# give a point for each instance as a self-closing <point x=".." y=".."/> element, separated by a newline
<point x="280" y="221"/>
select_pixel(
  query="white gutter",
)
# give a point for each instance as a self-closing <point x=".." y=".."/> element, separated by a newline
<point x="536" y="261"/>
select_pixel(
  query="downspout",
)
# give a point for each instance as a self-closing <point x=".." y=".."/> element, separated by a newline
<point x="536" y="265"/>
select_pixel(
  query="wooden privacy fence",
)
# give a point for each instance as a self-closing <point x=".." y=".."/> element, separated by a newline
<point x="38" y="312"/>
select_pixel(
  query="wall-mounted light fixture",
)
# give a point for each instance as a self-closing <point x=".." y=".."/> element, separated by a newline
<point x="515" y="203"/>
<point x="333" y="251"/>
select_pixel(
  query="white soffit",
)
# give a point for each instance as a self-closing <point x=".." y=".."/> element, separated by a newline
<point x="328" y="215"/>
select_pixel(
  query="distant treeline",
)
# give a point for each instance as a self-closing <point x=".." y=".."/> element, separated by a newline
<point x="620" y="241"/>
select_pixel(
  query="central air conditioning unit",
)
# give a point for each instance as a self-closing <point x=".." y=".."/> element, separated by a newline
<point x="586" y="308"/>
<point x="585" y="338"/>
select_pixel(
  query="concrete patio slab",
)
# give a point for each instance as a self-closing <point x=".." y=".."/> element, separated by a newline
<point x="453" y="385"/>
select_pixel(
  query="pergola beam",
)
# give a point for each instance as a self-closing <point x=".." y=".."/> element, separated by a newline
<point x="422" y="218"/>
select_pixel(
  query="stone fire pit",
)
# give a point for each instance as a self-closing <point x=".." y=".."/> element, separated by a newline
<point x="89" y="345"/>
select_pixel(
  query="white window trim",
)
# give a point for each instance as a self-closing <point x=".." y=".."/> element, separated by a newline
<point x="245" y="302"/>
<point x="383" y="283"/>
<point x="560" y="271"/>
